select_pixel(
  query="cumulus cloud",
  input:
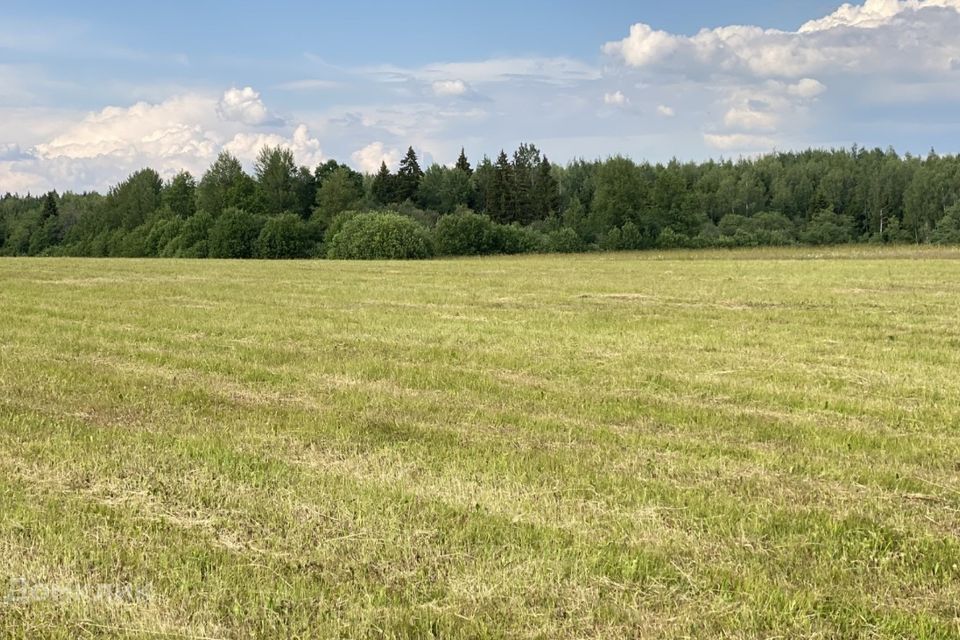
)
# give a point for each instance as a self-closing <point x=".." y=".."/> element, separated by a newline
<point x="751" y="119"/>
<point x="449" y="88"/>
<point x="245" y="106"/>
<point x="872" y="14"/>
<point x="880" y="35"/>
<point x="306" y="149"/>
<point x="758" y="85"/>
<point x="370" y="157"/>
<point x="182" y="132"/>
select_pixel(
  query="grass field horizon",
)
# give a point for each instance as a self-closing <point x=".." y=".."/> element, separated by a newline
<point x="748" y="443"/>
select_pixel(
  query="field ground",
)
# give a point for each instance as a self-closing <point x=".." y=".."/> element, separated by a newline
<point x="737" y="444"/>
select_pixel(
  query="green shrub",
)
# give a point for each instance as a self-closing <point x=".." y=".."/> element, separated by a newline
<point x="285" y="236"/>
<point x="827" y="227"/>
<point x="233" y="234"/>
<point x="332" y="228"/>
<point x="162" y="233"/>
<point x="631" y="237"/>
<point x="564" y="240"/>
<point x="513" y="238"/>
<point x="377" y="236"/>
<point x="465" y="233"/>
<point x="191" y="242"/>
<point x="670" y="239"/>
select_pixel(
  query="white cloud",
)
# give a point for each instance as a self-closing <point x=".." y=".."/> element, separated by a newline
<point x="872" y="14"/>
<point x="806" y="88"/>
<point x="306" y="149"/>
<point x="369" y="158"/>
<point x="881" y="35"/>
<point x="616" y="99"/>
<point x="739" y="142"/>
<point x="665" y="111"/>
<point x="746" y="118"/>
<point x="449" y="88"/>
<point x="183" y="132"/>
<point x="245" y="106"/>
<point x="751" y="86"/>
<point x="166" y="130"/>
<point x="644" y="45"/>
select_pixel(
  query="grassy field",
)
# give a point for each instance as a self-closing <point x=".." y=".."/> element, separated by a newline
<point x="736" y="444"/>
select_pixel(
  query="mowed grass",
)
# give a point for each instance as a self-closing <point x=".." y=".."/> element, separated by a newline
<point x="734" y="444"/>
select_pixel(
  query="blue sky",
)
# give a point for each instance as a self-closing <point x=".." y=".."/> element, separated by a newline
<point x="92" y="91"/>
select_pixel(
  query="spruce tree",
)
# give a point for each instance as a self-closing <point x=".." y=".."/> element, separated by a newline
<point x="383" y="185"/>
<point x="49" y="206"/>
<point x="500" y="197"/>
<point x="408" y="177"/>
<point x="463" y="164"/>
<point x="546" y="191"/>
<point x="525" y="161"/>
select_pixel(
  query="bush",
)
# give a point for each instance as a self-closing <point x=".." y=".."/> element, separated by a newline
<point x="285" y="236"/>
<point x="465" y="234"/>
<point x="233" y="234"/>
<point x="376" y="236"/>
<point x="162" y="233"/>
<point x="827" y="227"/>
<point x="335" y="224"/>
<point x="631" y="237"/>
<point x="564" y="240"/>
<point x="512" y="239"/>
<point x="670" y="239"/>
<point x="192" y="240"/>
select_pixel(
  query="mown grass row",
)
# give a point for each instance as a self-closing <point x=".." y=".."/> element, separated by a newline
<point x="605" y="446"/>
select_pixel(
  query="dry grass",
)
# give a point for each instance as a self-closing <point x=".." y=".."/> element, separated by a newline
<point x="689" y="444"/>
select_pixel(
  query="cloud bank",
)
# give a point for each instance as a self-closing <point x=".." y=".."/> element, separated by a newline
<point x="183" y="132"/>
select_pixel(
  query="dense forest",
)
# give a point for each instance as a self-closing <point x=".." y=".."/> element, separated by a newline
<point x="510" y="204"/>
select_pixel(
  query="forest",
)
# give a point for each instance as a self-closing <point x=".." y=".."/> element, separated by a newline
<point x="512" y="204"/>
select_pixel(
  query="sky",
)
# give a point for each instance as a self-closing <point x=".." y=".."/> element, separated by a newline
<point x="90" y="92"/>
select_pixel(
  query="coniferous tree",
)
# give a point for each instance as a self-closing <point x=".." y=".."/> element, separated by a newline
<point x="482" y="180"/>
<point x="382" y="188"/>
<point x="50" y="209"/>
<point x="463" y="164"/>
<point x="525" y="159"/>
<point x="408" y="177"/>
<point x="546" y="191"/>
<point x="500" y="193"/>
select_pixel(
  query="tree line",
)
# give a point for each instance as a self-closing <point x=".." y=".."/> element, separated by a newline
<point x="511" y="204"/>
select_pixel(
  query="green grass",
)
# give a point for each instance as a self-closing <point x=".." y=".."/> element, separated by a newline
<point x="734" y="444"/>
